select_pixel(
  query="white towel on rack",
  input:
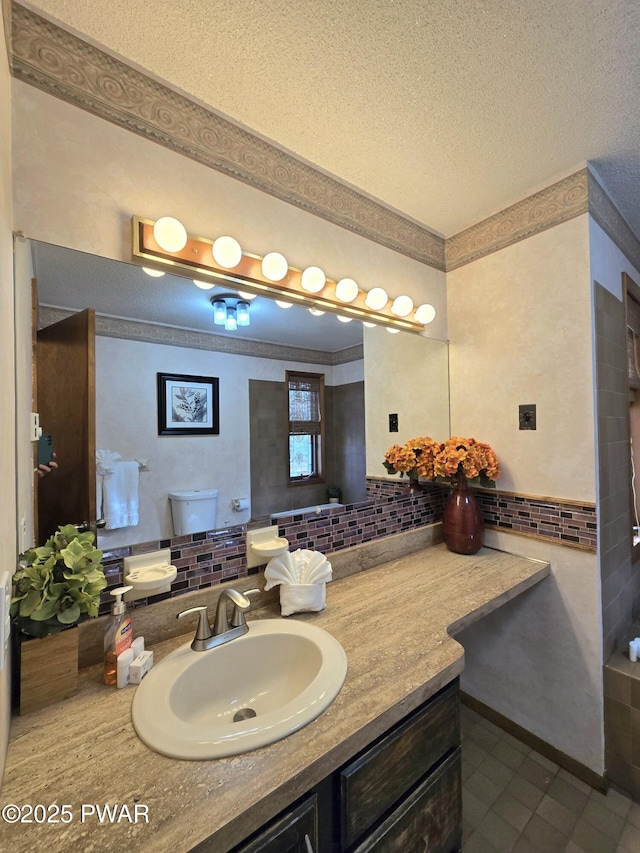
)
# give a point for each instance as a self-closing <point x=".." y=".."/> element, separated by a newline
<point x="120" y="495"/>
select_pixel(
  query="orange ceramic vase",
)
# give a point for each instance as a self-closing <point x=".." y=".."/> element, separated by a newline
<point x="462" y="524"/>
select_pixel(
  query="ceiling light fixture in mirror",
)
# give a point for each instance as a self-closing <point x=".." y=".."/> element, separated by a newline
<point x="272" y="276"/>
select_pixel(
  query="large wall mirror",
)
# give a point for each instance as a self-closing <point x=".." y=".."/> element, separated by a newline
<point x="147" y="326"/>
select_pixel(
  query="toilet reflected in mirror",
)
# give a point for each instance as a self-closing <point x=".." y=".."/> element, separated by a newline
<point x="193" y="511"/>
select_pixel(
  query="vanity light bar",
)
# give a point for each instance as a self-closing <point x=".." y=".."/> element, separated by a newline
<point x="197" y="255"/>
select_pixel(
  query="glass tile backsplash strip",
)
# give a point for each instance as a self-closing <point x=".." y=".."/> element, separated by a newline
<point x="567" y="523"/>
<point x="206" y="559"/>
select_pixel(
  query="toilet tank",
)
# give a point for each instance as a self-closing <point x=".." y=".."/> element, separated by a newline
<point x="193" y="511"/>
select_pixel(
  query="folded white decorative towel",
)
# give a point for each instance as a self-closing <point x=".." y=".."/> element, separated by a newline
<point x="280" y="570"/>
<point x="301" y="598"/>
<point x="120" y="495"/>
<point x="302" y="576"/>
<point x="298" y="567"/>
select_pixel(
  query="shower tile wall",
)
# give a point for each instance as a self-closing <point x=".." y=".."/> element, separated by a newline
<point x="620" y="585"/>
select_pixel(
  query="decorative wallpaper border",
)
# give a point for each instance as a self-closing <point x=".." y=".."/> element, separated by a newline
<point x="557" y="203"/>
<point x="133" y="330"/>
<point x="609" y="218"/>
<point x="60" y="63"/>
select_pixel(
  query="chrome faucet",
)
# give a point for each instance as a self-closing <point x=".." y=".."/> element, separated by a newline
<point x="223" y="630"/>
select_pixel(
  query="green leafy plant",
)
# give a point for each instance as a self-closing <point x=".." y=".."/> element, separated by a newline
<point x="334" y="492"/>
<point x="58" y="584"/>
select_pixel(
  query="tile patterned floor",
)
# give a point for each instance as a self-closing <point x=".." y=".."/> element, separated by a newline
<point x="515" y="800"/>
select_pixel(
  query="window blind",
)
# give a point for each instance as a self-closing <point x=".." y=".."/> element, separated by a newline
<point x="304" y="405"/>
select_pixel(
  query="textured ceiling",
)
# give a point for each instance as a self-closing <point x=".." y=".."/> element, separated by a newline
<point x="447" y="110"/>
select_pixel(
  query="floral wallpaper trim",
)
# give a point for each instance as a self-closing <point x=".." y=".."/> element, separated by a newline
<point x="551" y="206"/>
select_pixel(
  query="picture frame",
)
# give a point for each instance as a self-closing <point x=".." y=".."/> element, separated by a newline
<point x="188" y="405"/>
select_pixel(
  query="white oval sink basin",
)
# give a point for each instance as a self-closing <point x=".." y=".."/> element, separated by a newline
<point x="247" y="693"/>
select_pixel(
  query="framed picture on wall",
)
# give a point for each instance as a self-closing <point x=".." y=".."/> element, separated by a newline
<point x="188" y="405"/>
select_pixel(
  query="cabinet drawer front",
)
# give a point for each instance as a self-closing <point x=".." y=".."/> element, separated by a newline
<point x="289" y="832"/>
<point x="371" y="784"/>
<point x="428" y="821"/>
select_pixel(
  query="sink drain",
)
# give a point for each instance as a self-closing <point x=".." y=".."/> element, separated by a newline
<point x="243" y="714"/>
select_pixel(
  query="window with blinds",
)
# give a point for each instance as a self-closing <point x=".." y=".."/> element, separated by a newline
<point x="306" y="425"/>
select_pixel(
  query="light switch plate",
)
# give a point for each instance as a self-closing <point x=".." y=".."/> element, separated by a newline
<point x="527" y="416"/>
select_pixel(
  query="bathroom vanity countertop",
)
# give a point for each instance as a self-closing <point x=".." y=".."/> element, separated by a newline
<point x="393" y="622"/>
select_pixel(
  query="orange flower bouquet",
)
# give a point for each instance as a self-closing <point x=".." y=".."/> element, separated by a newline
<point x="465" y="457"/>
<point x="416" y="458"/>
<point x="451" y="459"/>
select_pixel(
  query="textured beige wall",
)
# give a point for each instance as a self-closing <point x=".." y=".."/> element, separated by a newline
<point x="7" y="411"/>
<point x="407" y="375"/>
<point x="538" y="659"/>
<point x="520" y="332"/>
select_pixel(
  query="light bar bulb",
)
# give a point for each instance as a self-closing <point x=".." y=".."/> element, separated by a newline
<point x="281" y="304"/>
<point x="425" y="314"/>
<point x="313" y="279"/>
<point x="274" y="266"/>
<point x="346" y="290"/>
<point x="153" y="273"/>
<point x="227" y="252"/>
<point x="170" y="234"/>
<point x="203" y="285"/>
<point x="376" y="299"/>
<point x="402" y="306"/>
<point x="316" y="312"/>
<point x="246" y="296"/>
<point x="344" y="319"/>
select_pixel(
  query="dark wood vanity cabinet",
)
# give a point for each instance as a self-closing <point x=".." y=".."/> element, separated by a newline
<point x="402" y="794"/>
<point x="295" y="831"/>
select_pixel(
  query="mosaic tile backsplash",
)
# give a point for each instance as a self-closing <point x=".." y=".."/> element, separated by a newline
<point x="207" y="559"/>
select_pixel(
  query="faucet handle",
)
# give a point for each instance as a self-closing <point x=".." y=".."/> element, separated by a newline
<point x="203" y="631"/>
<point x="239" y="609"/>
<point x="240" y="603"/>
